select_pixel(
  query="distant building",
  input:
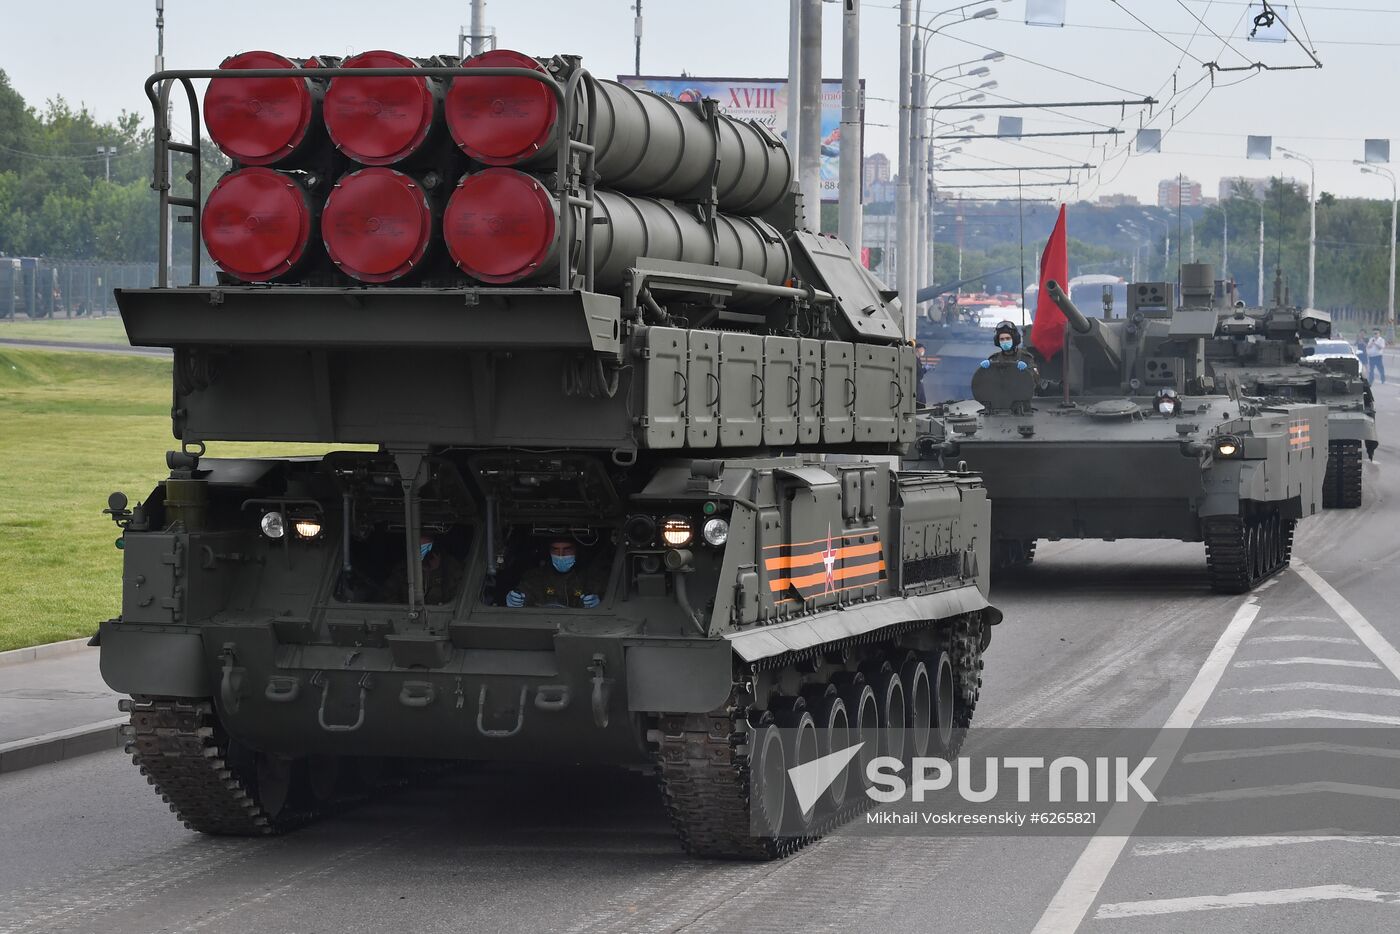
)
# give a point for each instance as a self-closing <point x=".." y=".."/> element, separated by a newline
<point x="1178" y="192"/>
<point x="1258" y="187"/>
<point x="1119" y="201"/>
<point x="876" y="168"/>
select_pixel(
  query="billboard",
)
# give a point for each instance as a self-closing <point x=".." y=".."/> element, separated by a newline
<point x="761" y="99"/>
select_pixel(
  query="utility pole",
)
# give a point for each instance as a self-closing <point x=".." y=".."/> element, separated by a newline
<point x="108" y="152"/>
<point x="917" y="221"/>
<point x="809" y="151"/>
<point x="849" y="214"/>
<point x="1261" y="253"/>
<point x="637" y="33"/>
<point x="905" y="254"/>
<point x="794" y="83"/>
<point x="169" y="157"/>
<point x="1225" y="243"/>
<point x="1312" y="219"/>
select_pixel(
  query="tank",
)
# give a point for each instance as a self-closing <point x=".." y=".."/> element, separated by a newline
<point x="1083" y="451"/>
<point x="629" y="510"/>
<point x="1263" y="354"/>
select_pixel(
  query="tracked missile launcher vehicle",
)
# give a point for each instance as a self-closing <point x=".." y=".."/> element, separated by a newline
<point x="1094" y="457"/>
<point x="1262" y="355"/>
<point x="616" y="499"/>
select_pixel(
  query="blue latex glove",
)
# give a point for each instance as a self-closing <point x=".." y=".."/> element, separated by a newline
<point x="985" y="364"/>
<point x="515" y="598"/>
<point x="1020" y="364"/>
<point x="589" y="601"/>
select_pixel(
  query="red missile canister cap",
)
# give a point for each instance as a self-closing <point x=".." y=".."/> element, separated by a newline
<point x="376" y="224"/>
<point x="256" y="224"/>
<point x="257" y="120"/>
<point x="378" y="121"/>
<point x="500" y="121"/>
<point x="499" y="225"/>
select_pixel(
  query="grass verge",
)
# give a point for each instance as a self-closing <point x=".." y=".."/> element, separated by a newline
<point x="73" y="428"/>
<point x="106" y="330"/>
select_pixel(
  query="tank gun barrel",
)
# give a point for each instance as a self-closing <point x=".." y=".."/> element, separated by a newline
<point x="1076" y="317"/>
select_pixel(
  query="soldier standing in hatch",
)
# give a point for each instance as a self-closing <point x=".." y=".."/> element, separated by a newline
<point x="1007" y="338"/>
<point x="562" y="582"/>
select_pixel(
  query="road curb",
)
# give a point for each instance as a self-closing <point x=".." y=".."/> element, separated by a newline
<point x="36" y="653"/>
<point x="63" y="744"/>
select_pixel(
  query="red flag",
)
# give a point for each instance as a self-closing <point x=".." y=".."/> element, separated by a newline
<point x="1048" y="329"/>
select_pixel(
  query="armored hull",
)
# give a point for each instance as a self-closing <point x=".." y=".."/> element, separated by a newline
<point x="1132" y="442"/>
<point x="632" y="519"/>
<point x="1262" y="354"/>
<point x="1113" y="468"/>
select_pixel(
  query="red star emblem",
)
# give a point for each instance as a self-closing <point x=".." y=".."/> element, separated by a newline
<point x="829" y="561"/>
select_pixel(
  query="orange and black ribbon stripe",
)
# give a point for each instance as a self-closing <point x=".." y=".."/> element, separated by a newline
<point x="1299" y="435"/>
<point x="801" y="566"/>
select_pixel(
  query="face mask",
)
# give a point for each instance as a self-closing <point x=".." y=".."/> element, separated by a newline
<point x="1006" y="345"/>
<point x="423" y="550"/>
<point x="1165" y="408"/>
<point x="563" y="563"/>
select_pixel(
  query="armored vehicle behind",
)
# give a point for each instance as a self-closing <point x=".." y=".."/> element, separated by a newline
<point x="1262" y="355"/>
<point x="594" y="521"/>
<point x="1093" y="456"/>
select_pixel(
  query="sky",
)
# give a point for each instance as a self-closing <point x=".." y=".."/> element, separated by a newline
<point x="97" y="52"/>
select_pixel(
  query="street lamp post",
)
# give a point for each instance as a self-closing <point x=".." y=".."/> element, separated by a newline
<point x="923" y="199"/>
<point x="1167" y="242"/>
<point x="1312" y="219"/>
<point x="1394" y="200"/>
<point x="909" y="22"/>
<point x="923" y="160"/>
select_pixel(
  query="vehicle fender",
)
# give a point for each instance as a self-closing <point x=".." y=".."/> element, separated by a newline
<point x="148" y="660"/>
<point x="855" y="620"/>
<point x="679" y="676"/>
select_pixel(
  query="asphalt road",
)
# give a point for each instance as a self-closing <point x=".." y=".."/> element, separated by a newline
<point x="1097" y="634"/>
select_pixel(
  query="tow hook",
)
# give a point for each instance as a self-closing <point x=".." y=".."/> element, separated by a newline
<point x="602" y="690"/>
<point x="231" y="681"/>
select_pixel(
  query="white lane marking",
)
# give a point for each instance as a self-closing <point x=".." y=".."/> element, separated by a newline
<point x="1305" y="660"/>
<point x="1266" y="585"/>
<point x="1284" y="791"/>
<point x="1313" y="713"/>
<point x="1373" y="640"/>
<point x="1081" y="887"/>
<point x="1288" y="749"/>
<point x="1211" y="844"/>
<point x="1298" y="896"/>
<point x="1314" y="686"/>
<point x="1330" y="640"/>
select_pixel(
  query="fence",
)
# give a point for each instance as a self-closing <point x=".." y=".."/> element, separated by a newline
<point x="39" y="287"/>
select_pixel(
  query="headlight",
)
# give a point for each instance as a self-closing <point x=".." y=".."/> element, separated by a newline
<point x="273" y="525"/>
<point x="1227" y="447"/>
<point x="676" y="531"/>
<point x="716" y="531"/>
<point x="307" y="528"/>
